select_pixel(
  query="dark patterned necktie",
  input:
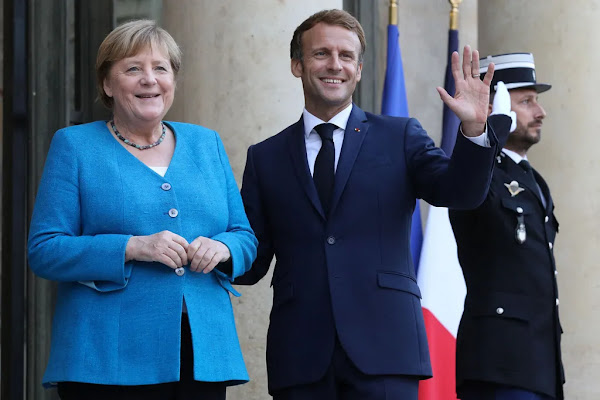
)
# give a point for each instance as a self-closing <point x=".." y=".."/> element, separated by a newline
<point x="323" y="174"/>
<point x="529" y="171"/>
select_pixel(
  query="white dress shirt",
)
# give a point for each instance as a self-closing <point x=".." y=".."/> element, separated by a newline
<point x="313" y="140"/>
<point x="516" y="157"/>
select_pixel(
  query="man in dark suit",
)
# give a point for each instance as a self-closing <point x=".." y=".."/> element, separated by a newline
<point x="508" y="343"/>
<point x="331" y="197"/>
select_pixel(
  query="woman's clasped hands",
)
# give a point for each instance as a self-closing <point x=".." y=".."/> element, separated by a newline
<point x="172" y="250"/>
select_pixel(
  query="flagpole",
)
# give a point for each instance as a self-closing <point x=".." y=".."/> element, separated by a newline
<point x="454" y="14"/>
<point x="393" y="12"/>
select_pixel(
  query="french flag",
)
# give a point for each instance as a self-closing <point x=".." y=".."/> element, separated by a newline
<point x="439" y="275"/>
<point x="394" y="103"/>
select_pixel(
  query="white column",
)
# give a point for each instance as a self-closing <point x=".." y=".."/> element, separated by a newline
<point x="236" y="79"/>
<point x="562" y="35"/>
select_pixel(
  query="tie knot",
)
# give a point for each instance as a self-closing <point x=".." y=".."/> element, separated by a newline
<point x="325" y="131"/>
<point x="525" y="165"/>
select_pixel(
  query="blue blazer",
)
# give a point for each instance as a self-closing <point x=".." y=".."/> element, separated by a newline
<point x="350" y="273"/>
<point x="119" y="322"/>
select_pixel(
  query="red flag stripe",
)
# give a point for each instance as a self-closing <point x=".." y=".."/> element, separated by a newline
<point x="442" y="346"/>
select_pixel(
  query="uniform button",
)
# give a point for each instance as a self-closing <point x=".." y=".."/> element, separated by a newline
<point x="180" y="271"/>
<point x="499" y="310"/>
<point x="555" y="272"/>
<point x="550" y="245"/>
<point x="331" y="240"/>
<point x="546" y="219"/>
<point x="173" y="212"/>
<point x="519" y="210"/>
<point x="165" y="186"/>
<point x="557" y="302"/>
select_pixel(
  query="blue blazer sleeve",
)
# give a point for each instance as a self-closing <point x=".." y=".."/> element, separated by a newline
<point x="238" y="237"/>
<point x="57" y="249"/>
<point x="254" y="208"/>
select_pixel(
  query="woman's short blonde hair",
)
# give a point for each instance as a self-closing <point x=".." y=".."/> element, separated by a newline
<point x="127" y="40"/>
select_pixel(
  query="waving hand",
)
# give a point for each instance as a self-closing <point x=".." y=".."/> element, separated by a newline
<point x="470" y="102"/>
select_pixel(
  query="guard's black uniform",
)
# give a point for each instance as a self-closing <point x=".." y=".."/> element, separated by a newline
<point x="510" y="331"/>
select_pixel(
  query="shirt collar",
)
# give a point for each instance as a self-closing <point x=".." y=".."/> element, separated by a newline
<point x="340" y="120"/>
<point x="514" y="156"/>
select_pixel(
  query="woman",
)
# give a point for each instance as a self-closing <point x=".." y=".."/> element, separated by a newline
<point x="138" y="219"/>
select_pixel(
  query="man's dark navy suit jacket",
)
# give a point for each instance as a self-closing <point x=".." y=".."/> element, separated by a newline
<point x="350" y="273"/>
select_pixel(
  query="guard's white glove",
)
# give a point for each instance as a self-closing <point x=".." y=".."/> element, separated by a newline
<point x="501" y="104"/>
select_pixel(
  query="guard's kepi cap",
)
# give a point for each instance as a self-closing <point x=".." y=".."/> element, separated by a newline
<point x="516" y="70"/>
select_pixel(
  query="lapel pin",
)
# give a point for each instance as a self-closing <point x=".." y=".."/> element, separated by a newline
<point x="513" y="188"/>
<point x="356" y="130"/>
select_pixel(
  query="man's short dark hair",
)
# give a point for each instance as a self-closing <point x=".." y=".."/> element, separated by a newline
<point x="329" y="17"/>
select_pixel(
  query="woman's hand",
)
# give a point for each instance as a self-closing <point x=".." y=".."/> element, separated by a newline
<point x="204" y="254"/>
<point x="165" y="247"/>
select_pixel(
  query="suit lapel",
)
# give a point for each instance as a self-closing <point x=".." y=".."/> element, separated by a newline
<point x="297" y="150"/>
<point x="355" y="132"/>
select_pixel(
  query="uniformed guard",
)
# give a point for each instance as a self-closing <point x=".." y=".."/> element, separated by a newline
<point x="508" y="344"/>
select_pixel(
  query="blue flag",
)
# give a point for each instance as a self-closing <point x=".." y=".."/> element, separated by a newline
<point x="394" y="91"/>
<point x="394" y="103"/>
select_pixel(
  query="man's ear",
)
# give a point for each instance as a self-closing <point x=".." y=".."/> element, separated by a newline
<point x="489" y="109"/>
<point x="297" y="67"/>
<point x="359" y="72"/>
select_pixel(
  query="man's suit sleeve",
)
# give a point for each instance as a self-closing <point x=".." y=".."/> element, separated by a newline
<point x="461" y="181"/>
<point x="255" y="211"/>
<point x="498" y="130"/>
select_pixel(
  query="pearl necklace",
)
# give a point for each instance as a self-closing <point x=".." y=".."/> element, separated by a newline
<point x="137" y="146"/>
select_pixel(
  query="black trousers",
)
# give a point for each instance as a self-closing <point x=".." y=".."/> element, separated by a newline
<point x="343" y="381"/>
<point x="186" y="389"/>
<point x="474" y="390"/>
